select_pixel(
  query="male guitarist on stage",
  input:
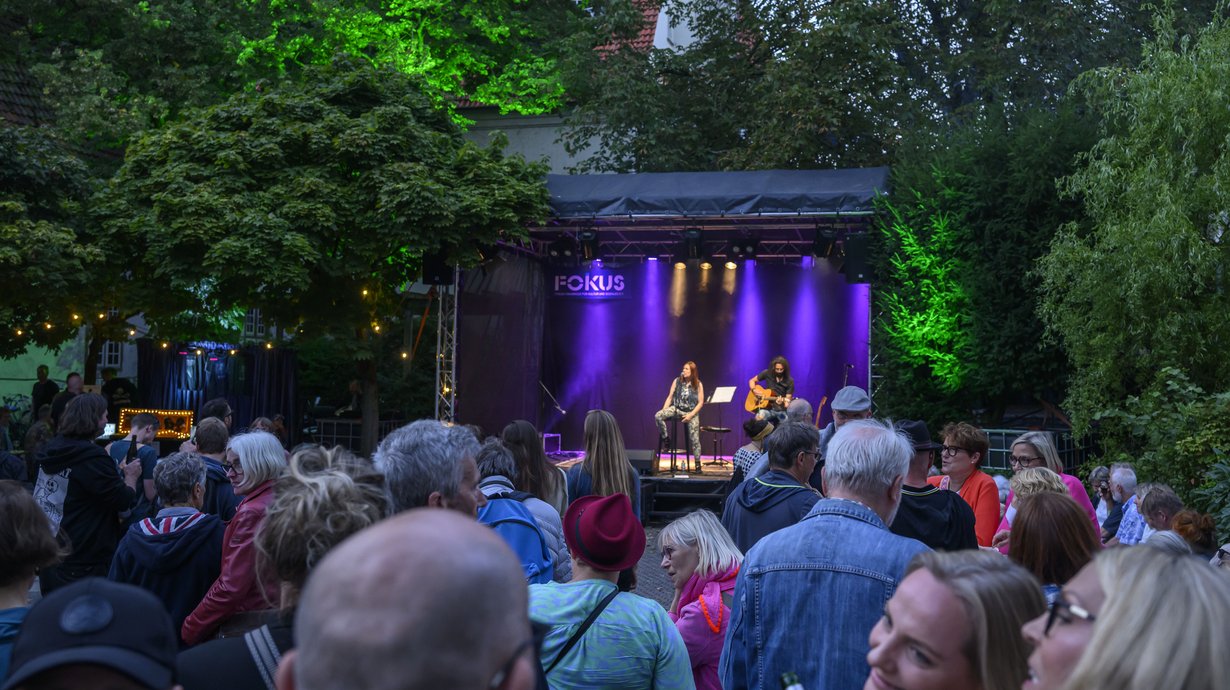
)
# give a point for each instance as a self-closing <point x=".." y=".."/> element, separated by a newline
<point x="779" y="387"/>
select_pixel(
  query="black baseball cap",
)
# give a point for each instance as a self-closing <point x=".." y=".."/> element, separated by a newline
<point x="96" y="621"/>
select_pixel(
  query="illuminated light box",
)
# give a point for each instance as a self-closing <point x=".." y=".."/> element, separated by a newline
<point x="171" y="423"/>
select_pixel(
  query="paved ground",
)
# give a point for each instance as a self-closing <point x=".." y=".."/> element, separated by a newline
<point x="651" y="580"/>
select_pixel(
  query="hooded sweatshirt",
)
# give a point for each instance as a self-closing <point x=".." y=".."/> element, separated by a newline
<point x="10" y="625"/>
<point x="176" y="555"/>
<point x="220" y="498"/>
<point x="82" y="492"/>
<point x="938" y="518"/>
<point x="765" y="504"/>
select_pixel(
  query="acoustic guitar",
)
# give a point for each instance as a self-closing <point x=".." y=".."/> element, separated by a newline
<point x="759" y="398"/>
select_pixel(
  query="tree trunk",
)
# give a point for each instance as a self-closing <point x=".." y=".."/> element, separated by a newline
<point x="93" y="349"/>
<point x="370" y="407"/>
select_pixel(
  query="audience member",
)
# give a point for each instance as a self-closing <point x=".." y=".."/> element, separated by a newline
<point x="1222" y="558"/>
<point x="73" y="386"/>
<point x="1122" y="489"/>
<point x="964" y="450"/>
<point x="780" y="497"/>
<point x="1158" y="507"/>
<point x="702" y="563"/>
<point x="954" y="624"/>
<point x="143" y="428"/>
<point x="851" y="403"/>
<point x="324" y="497"/>
<point x="1134" y="619"/>
<point x="1099" y="489"/>
<point x="211" y="441"/>
<point x="25" y="546"/>
<point x="82" y="494"/>
<point x="535" y="473"/>
<point x="529" y="525"/>
<point x="254" y="463"/>
<point x="839" y="564"/>
<point x="43" y="392"/>
<point x="1199" y="529"/>
<point x="750" y="453"/>
<point x="1037" y="449"/>
<point x="599" y="636"/>
<point x="1026" y="482"/>
<point x="1132" y="528"/>
<point x="1052" y="539"/>
<point x="177" y="555"/>
<point x="605" y="470"/>
<point x="6" y="421"/>
<point x="429" y="464"/>
<point x="395" y="608"/>
<point x="95" y="635"/>
<point x="37" y="436"/>
<point x="938" y="518"/>
<point x="1170" y="542"/>
<point x="219" y="409"/>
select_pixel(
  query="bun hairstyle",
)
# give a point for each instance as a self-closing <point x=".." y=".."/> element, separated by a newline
<point x="1197" y="528"/>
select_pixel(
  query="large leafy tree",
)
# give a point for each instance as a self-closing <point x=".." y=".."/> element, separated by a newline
<point x="45" y="251"/>
<point x="315" y="200"/>
<point x="822" y="83"/>
<point x="1137" y="295"/>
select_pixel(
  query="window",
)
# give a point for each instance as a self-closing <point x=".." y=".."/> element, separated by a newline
<point x="112" y="355"/>
<point x="253" y="324"/>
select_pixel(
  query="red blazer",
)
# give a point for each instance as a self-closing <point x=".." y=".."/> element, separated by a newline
<point x="237" y="589"/>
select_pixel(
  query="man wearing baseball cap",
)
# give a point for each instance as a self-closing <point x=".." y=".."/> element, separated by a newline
<point x="600" y="636"/>
<point x="849" y="404"/>
<point x="938" y="518"/>
<point x="95" y="634"/>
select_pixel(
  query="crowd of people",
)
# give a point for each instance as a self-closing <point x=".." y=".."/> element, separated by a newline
<point x="843" y="558"/>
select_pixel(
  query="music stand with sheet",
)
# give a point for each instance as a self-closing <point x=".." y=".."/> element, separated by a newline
<point x="720" y="395"/>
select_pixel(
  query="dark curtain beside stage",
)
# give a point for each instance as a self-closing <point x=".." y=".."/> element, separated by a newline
<point x="256" y="381"/>
<point x="614" y="337"/>
<point x="499" y="343"/>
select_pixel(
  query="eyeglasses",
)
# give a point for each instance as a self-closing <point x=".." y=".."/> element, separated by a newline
<point x="1022" y="461"/>
<point x="1072" y="610"/>
<point x="232" y="467"/>
<point x="953" y="450"/>
<point x="502" y="674"/>
<point x="815" y="452"/>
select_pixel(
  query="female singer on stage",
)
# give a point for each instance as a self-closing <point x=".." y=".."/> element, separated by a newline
<point x="684" y="401"/>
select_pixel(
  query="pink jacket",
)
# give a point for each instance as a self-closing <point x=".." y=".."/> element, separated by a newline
<point x="703" y="619"/>
<point x="1076" y="489"/>
<point x="237" y="588"/>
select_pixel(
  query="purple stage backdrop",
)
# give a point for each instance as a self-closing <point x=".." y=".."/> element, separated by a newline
<point x="613" y="337"/>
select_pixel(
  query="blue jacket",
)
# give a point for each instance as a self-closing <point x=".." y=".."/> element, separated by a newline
<point x="10" y="625"/>
<point x="765" y="504"/>
<point x="176" y="556"/>
<point x="220" y="498"/>
<point x="581" y="484"/>
<point x="808" y="596"/>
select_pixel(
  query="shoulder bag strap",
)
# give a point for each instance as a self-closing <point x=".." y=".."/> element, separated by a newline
<point x="576" y="636"/>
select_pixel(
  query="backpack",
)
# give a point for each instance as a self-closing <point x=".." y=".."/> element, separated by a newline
<point x="507" y="515"/>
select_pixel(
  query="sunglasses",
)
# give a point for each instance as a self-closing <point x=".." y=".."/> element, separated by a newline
<point x="1070" y="609"/>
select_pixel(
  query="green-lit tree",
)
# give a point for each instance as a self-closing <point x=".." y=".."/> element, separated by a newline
<point x="314" y="200"/>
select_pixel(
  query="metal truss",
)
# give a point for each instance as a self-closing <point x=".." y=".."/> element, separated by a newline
<point x="446" y="350"/>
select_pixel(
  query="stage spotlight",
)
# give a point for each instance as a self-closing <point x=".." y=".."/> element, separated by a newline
<point x="679" y="265"/>
<point x="730" y="265"/>
<point x="692" y="247"/>
<point x="589" y="244"/>
<point x="745" y="248"/>
<point x="562" y="249"/>
<point x="705" y="265"/>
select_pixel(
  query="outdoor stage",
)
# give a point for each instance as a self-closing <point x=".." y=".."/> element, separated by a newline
<point x="668" y="494"/>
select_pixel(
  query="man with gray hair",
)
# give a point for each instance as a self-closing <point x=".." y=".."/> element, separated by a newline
<point x="176" y="555"/>
<point x="426" y="599"/>
<point x="430" y="464"/>
<point x="1122" y="491"/>
<point x="807" y="596"/>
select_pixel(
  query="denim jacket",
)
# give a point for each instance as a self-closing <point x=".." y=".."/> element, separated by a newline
<point x="808" y="596"/>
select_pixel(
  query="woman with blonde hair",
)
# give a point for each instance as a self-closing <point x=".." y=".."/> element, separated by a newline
<point x="605" y="471"/>
<point x="324" y="497"/>
<point x="1036" y="449"/>
<point x="952" y="625"/>
<point x="254" y="462"/>
<point x="1136" y="618"/>
<point x="702" y="562"/>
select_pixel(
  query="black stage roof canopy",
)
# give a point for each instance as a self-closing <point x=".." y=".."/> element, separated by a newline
<point x="787" y="213"/>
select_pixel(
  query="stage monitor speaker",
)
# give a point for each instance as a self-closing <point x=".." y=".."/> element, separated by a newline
<point x="856" y="267"/>
<point x="437" y="270"/>
<point x="642" y="461"/>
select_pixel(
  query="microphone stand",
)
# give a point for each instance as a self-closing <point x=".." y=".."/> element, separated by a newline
<point x="554" y="402"/>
